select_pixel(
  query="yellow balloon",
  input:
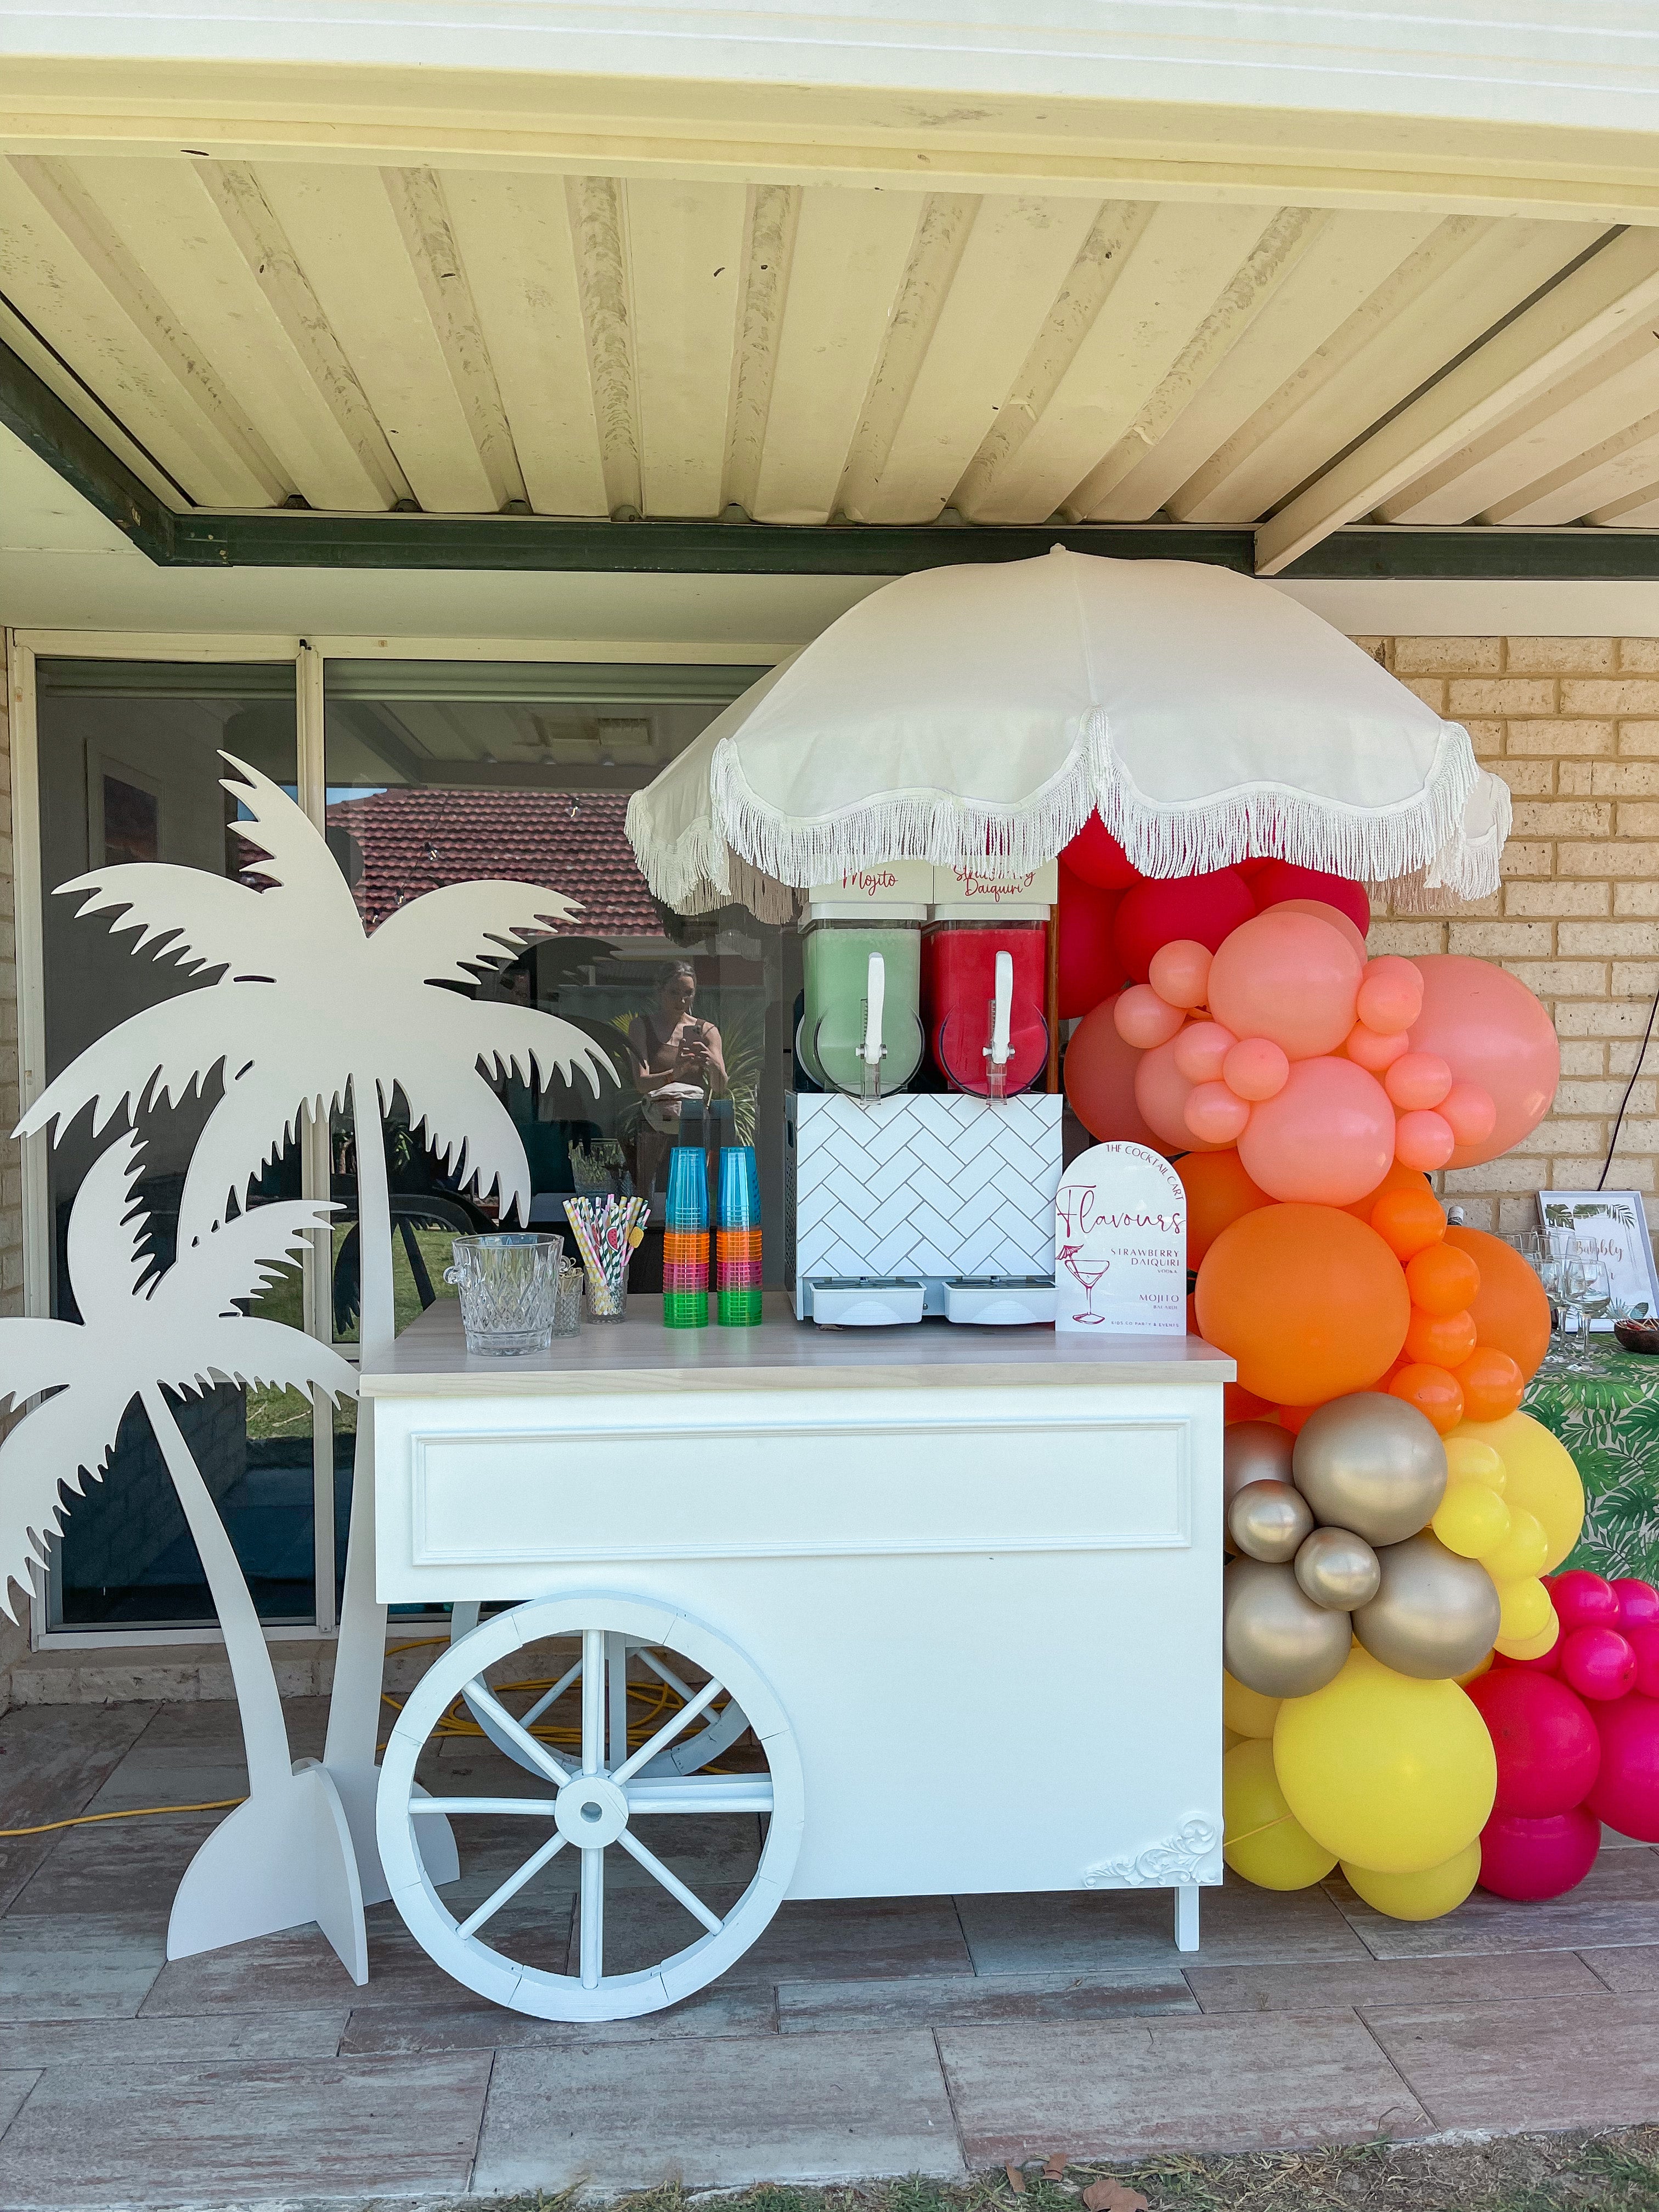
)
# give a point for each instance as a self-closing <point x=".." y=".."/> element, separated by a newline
<point x="1542" y="1478"/>
<point x="1525" y="1611"/>
<point x="1481" y="1667"/>
<point x="1230" y="1737"/>
<point x="1472" y="1520"/>
<point x="1272" y="1849"/>
<point x="1468" y="1460"/>
<point x="1521" y="1554"/>
<point x="1247" y="1711"/>
<point x="1531" y="1647"/>
<point x="1422" y="1896"/>
<point x="1389" y="1771"/>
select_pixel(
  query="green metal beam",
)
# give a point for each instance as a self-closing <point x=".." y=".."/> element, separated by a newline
<point x="32" y="410"/>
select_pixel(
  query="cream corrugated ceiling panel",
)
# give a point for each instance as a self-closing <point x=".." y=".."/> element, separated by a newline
<point x="683" y="275"/>
<point x="355" y="252"/>
<point x="1461" y="282"/>
<point x="1617" y="472"/>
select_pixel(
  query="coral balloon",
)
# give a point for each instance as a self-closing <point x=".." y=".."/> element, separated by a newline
<point x="1390" y="994"/>
<point x="1492" y="1383"/>
<point x="1369" y="1048"/>
<point x="1409" y="1221"/>
<point x="1325" y="1138"/>
<point x="1255" y="1069"/>
<point x="1384" y="1769"/>
<point x="1095" y="855"/>
<point x="1443" y="1279"/>
<point x="1439" y="1340"/>
<point x="1424" y="1896"/>
<point x="1530" y="1860"/>
<point x="1511" y="1309"/>
<point x="1627" y="1792"/>
<point x="1215" y="1114"/>
<point x="1218" y="1193"/>
<point x="1542" y="1479"/>
<point x="1470" y="1113"/>
<point x="1434" y="1392"/>
<point x="1208" y="908"/>
<point x="1333" y="918"/>
<point x="1280" y="880"/>
<point x="1160" y="1093"/>
<point x="1089" y="969"/>
<point x="1424" y="1140"/>
<point x="1202" y="1050"/>
<point x="1144" y="1020"/>
<point x="1100" y="1082"/>
<point x="1180" y="972"/>
<point x="1272" y="1850"/>
<point x="1548" y="1750"/>
<point x="1418" y="1078"/>
<point x="1599" y="1663"/>
<point x="1492" y="1031"/>
<point x="1310" y="1302"/>
<point x="1289" y="977"/>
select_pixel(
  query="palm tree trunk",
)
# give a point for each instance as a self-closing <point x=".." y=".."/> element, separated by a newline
<point x="265" y="1731"/>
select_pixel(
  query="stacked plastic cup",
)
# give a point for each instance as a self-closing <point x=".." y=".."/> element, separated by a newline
<point x="738" y="1239"/>
<point x="685" y="1240"/>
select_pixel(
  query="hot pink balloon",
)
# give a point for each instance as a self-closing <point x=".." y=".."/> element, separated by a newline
<point x="1289" y="977"/>
<point x="1216" y="1114"/>
<point x="1644" y="1643"/>
<point x="1527" y="1860"/>
<point x="1489" y="1030"/>
<point x="1256" y="1068"/>
<point x="1390" y="994"/>
<point x="1201" y="1049"/>
<point x="1424" y="1140"/>
<point x="1599" y="1663"/>
<point x="1627" y="1792"/>
<point x="1143" y="1019"/>
<point x="1180" y="971"/>
<point x="1639" y="1604"/>
<point x="1326" y="1139"/>
<point x="1160" y="1093"/>
<point x="1470" y="1112"/>
<point x="1281" y="881"/>
<point x="1583" y="1600"/>
<point x="1371" y="1049"/>
<point x="1416" y="1078"/>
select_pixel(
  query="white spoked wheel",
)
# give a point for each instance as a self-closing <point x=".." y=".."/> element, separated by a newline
<point x="600" y="1802"/>
<point x="716" y="1731"/>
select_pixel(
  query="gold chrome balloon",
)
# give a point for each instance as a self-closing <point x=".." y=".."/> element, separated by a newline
<point x="1254" y="1451"/>
<point x="1338" y="1568"/>
<point x="1275" y="1640"/>
<point x="1268" y="1521"/>
<point x="1371" y="1463"/>
<point x="1434" y="1615"/>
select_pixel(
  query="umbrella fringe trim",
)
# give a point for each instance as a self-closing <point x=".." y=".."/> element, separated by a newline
<point x="699" y="872"/>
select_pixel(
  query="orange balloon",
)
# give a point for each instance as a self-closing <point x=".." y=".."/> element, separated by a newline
<point x="1492" y="1384"/>
<point x="1241" y="1405"/>
<point x="1310" y="1303"/>
<point x="1408" y="1221"/>
<point x="1296" y="1417"/>
<point x="1439" y="1340"/>
<point x="1433" y="1391"/>
<point x="1397" y="1178"/>
<point x="1441" y="1280"/>
<point x="1510" y="1310"/>
<point x="1100" y="1081"/>
<point x="1218" y="1193"/>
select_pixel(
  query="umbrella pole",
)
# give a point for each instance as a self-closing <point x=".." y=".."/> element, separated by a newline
<point x="1051" y="995"/>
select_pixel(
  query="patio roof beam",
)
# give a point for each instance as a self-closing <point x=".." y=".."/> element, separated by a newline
<point x="32" y="412"/>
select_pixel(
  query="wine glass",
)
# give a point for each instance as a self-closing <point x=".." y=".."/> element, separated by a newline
<point x="1595" y="1295"/>
<point x="1555" y="1250"/>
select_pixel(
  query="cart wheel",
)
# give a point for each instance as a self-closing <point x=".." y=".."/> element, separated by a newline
<point x="718" y="1733"/>
<point x="591" y="1805"/>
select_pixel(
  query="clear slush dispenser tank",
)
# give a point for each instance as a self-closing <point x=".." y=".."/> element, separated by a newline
<point x="986" y="1029"/>
<point x="861" y="1027"/>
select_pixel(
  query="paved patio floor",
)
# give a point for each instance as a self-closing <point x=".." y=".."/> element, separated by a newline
<point x="931" y="2035"/>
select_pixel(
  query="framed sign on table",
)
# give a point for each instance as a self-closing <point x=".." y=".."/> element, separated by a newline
<point x="1613" y="1225"/>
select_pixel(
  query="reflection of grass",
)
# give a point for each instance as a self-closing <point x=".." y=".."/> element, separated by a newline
<point x="434" y="1246"/>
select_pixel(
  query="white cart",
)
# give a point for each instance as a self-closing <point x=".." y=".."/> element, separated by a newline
<point x="965" y="1588"/>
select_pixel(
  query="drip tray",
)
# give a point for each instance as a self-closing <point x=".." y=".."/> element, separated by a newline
<point x="1000" y="1301"/>
<point x="866" y="1301"/>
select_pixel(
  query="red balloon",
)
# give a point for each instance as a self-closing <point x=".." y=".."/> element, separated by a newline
<point x="1527" y="1860"/>
<point x="1089" y="969"/>
<point x="1279" y="879"/>
<point x="1627" y="1792"/>
<point x="1598" y="1662"/>
<point x="1639" y="1604"/>
<point x="1099" y="1073"/>
<point x="1547" y="1748"/>
<point x="1095" y="855"/>
<point x="1490" y="1031"/>
<point x="1583" y="1600"/>
<point x="1152" y="915"/>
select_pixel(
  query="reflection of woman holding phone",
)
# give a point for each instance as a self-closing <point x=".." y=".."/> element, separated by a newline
<point x="675" y="1057"/>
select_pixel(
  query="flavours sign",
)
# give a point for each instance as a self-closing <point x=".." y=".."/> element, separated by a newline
<point x="1120" y="1244"/>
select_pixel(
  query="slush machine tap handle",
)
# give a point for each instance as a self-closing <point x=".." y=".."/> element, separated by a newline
<point x="872" y="1052"/>
<point x="1000" y="1052"/>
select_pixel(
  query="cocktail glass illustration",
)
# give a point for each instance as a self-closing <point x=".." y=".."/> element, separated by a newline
<point x="1089" y="1270"/>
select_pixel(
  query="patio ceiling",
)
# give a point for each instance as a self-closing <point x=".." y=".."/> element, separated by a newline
<point x="264" y="334"/>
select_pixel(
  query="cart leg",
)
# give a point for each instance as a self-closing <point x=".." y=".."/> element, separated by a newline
<point x="1187" y="1917"/>
<point x="616" y="1665"/>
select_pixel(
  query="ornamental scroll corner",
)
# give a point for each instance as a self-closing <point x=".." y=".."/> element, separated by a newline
<point x="1179" y="1858"/>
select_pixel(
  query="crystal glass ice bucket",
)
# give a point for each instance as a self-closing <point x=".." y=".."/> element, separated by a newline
<point x="508" y="1286"/>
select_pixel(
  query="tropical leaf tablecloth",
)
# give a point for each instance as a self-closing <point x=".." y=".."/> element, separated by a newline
<point x="1610" y="1424"/>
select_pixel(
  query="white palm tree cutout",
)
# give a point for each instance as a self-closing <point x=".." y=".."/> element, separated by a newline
<point x="311" y="1009"/>
<point x="140" y="1335"/>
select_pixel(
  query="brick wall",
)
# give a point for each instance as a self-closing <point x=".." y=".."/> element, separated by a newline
<point x="1572" y="726"/>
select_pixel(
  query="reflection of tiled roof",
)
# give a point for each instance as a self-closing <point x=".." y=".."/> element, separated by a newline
<point x="413" y="840"/>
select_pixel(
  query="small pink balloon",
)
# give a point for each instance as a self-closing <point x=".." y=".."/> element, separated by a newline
<point x="1424" y="1140"/>
<point x="1598" y="1662"/>
<point x="1160" y="1093"/>
<point x="1217" y="1115"/>
<point x="1639" y="1604"/>
<point x="1369" y="1048"/>
<point x="1321" y="910"/>
<point x="1326" y="1140"/>
<point x="1527" y="1860"/>
<point x="1491" y="1031"/>
<point x="1418" y="1078"/>
<point x="1255" y="1069"/>
<point x="1201" y="1050"/>
<point x="1471" y="1112"/>
<point x="1583" y="1600"/>
<point x="1390" y="994"/>
<point x="1287" y="976"/>
<point x="1180" y="971"/>
<point x="1644" y="1643"/>
<point x="1143" y="1019"/>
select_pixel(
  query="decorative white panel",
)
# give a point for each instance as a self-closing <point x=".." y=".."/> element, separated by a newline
<point x="927" y="1183"/>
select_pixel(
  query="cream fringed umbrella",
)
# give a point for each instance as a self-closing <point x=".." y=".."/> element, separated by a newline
<point x="979" y="713"/>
